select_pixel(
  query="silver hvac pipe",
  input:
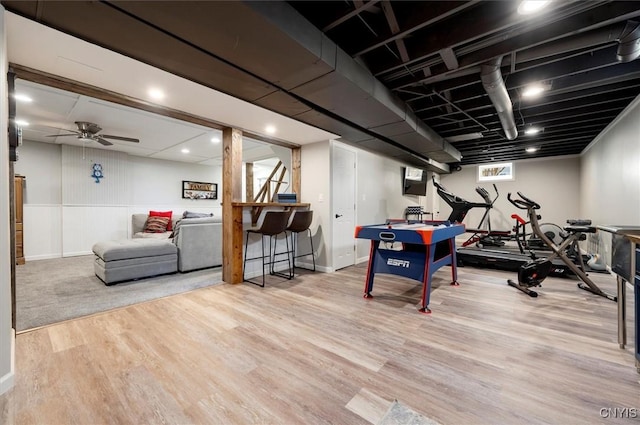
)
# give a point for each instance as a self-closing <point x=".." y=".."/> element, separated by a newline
<point x="494" y="85"/>
<point x="629" y="47"/>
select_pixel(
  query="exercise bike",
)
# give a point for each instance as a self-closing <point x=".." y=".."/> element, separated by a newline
<point x="535" y="271"/>
<point x="527" y="240"/>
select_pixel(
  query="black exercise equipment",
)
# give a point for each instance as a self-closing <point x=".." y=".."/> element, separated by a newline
<point x="532" y="273"/>
<point x="460" y="207"/>
<point x="483" y="234"/>
<point x="506" y="257"/>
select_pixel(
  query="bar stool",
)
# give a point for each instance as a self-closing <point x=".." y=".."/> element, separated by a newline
<point x="300" y="222"/>
<point x="274" y="223"/>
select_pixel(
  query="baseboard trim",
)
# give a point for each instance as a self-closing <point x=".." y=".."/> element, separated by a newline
<point x="7" y="381"/>
<point x="57" y="255"/>
<point x="42" y="257"/>
<point x="309" y="266"/>
<point x="77" y="254"/>
<point x="362" y="259"/>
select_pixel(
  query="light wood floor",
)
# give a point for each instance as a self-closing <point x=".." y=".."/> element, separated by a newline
<point x="313" y="351"/>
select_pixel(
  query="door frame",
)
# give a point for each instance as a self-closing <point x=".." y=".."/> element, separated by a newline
<point x="353" y="150"/>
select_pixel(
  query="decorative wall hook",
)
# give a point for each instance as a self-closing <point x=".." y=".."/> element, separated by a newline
<point x="97" y="172"/>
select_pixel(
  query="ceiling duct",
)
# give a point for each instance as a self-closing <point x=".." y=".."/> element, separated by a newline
<point x="349" y="92"/>
<point x="629" y="47"/>
<point x="494" y="85"/>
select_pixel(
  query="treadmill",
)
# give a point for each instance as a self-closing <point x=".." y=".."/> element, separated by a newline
<point x="506" y="259"/>
<point x="503" y="257"/>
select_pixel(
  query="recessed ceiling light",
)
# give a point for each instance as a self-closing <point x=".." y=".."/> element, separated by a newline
<point x="185" y="150"/>
<point x="156" y="94"/>
<point x="22" y="123"/>
<point x="215" y="140"/>
<point x="533" y="90"/>
<point x="270" y="129"/>
<point x="532" y="130"/>
<point x="527" y="7"/>
<point x="531" y="149"/>
<point x="22" y="98"/>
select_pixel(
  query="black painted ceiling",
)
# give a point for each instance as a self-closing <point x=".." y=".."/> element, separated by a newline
<point x="429" y="53"/>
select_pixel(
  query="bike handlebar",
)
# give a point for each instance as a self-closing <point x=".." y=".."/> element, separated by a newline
<point x="523" y="203"/>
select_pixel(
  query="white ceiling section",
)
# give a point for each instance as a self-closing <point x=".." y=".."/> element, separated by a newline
<point x="52" y="111"/>
<point x="42" y="48"/>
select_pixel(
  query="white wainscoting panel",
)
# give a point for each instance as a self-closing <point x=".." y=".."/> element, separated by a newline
<point x="42" y="234"/>
<point x="83" y="226"/>
<point x="79" y="188"/>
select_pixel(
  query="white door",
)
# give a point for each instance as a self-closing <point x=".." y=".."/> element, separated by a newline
<point x="343" y="194"/>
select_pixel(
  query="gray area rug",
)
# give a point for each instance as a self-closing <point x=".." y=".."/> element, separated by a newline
<point x="399" y="414"/>
<point x="50" y="291"/>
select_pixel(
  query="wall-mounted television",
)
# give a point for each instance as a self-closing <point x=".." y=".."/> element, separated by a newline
<point x="414" y="181"/>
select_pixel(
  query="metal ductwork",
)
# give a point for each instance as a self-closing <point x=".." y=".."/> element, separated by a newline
<point x="348" y="91"/>
<point x="629" y="47"/>
<point x="494" y="85"/>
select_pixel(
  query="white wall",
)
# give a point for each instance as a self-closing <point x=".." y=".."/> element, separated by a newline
<point x="610" y="177"/>
<point x="66" y="211"/>
<point x="43" y="162"/>
<point x="379" y="194"/>
<point x="6" y="331"/>
<point x="315" y="188"/>
<point x="553" y="183"/>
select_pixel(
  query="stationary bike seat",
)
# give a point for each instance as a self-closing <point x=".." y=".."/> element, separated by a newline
<point x="580" y="229"/>
<point x="579" y="222"/>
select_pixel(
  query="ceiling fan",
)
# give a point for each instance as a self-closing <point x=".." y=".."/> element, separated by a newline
<point x="88" y="132"/>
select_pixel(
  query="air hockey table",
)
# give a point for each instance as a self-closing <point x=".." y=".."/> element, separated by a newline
<point x="425" y="247"/>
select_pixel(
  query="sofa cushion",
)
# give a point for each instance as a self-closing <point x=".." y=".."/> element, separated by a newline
<point x="198" y="220"/>
<point x="133" y="248"/>
<point x="163" y="214"/>
<point x="156" y="224"/>
<point x="163" y="235"/>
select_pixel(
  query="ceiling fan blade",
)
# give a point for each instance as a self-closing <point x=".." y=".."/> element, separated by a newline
<point x="102" y="141"/>
<point x="62" y="135"/>
<point x="126" y="139"/>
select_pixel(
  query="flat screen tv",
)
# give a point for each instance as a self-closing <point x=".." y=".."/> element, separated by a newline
<point x="414" y="181"/>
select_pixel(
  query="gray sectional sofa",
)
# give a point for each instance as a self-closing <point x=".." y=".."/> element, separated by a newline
<point x="194" y="243"/>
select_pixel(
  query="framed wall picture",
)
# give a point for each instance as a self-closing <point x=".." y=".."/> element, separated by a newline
<point x="199" y="190"/>
<point x="496" y="172"/>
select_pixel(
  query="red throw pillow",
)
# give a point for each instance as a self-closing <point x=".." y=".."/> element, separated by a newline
<point x="167" y="214"/>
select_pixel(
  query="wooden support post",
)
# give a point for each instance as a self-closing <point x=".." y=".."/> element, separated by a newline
<point x="296" y="175"/>
<point x="231" y="192"/>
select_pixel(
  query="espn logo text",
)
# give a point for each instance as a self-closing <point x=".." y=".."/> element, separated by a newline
<point x="398" y="263"/>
